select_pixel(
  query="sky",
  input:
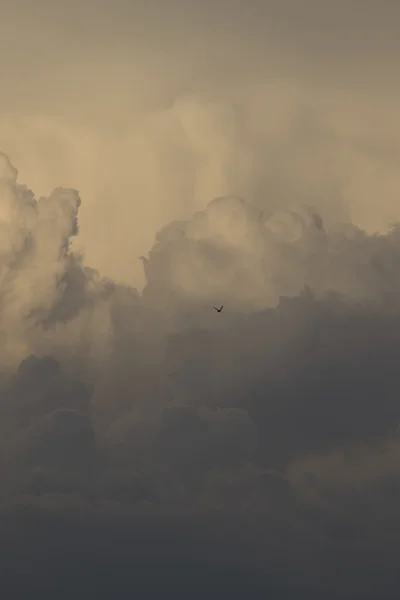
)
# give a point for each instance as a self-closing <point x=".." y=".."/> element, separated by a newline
<point x="152" y="110"/>
<point x="157" y="159"/>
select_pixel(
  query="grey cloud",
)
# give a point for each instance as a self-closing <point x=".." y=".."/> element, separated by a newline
<point x="278" y="415"/>
<point x="231" y="251"/>
<point x="163" y="448"/>
<point x="62" y="435"/>
<point x="56" y="454"/>
<point x="251" y="488"/>
<point x="196" y="440"/>
<point x="40" y="387"/>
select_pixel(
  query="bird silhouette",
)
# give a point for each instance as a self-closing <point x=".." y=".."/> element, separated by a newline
<point x="218" y="309"/>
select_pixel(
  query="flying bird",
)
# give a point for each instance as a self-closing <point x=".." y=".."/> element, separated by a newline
<point x="218" y="309"/>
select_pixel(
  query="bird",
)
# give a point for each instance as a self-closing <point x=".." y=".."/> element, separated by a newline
<point x="218" y="309"/>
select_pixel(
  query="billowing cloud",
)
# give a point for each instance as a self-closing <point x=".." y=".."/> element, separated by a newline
<point x="278" y="103"/>
<point x="279" y="415"/>
<point x="249" y="153"/>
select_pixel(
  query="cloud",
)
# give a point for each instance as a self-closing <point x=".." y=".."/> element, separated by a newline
<point x="191" y="440"/>
<point x="247" y="453"/>
<point x="232" y="251"/>
<point x="34" y="261"/>
<point x="278" y="416"/>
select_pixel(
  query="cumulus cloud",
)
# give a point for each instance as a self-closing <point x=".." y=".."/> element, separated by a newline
<point x="279" y="416"/>
<point x="34" y="256"/>
<point x="230" y="252"/>
<point x="249" y="155"/>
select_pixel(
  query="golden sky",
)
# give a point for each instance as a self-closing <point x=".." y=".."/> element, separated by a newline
<point x="152" y="109"/>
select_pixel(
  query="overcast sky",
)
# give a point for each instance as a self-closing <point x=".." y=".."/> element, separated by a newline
<point x="248" y="153"/>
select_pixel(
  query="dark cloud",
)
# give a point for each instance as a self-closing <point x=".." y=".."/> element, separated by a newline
<point x="242" y="453"/>
<point x="40" y="387"/>
<point x="63" y="437"/>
